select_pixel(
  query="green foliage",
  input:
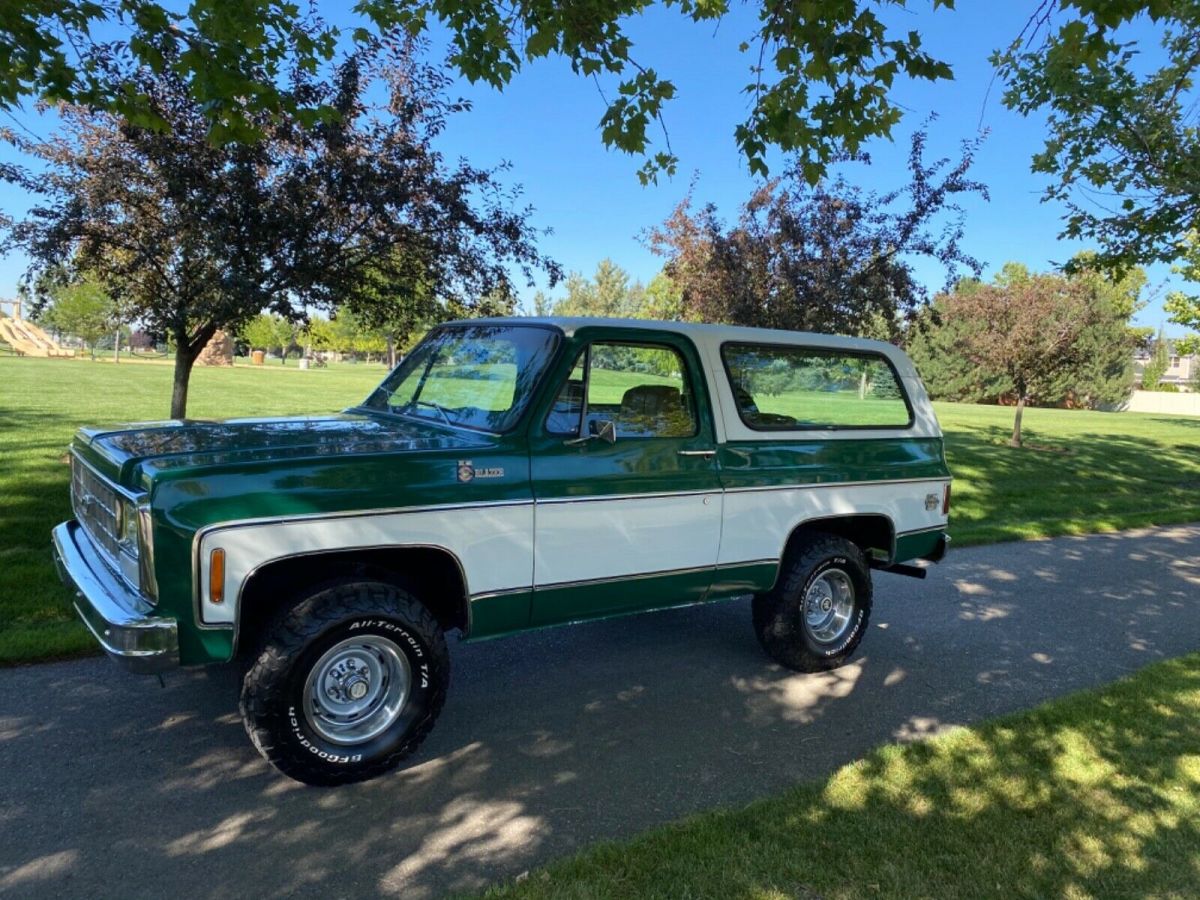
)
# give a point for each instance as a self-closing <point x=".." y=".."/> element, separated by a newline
<point x="1105" y="373"/>
<point x="361" y="211"/>
<point x="82" y="308"/>
<point x="820" y="75"/>
<point x="610" y="293"/>
<point x="1116" y="126"/>
<point x="269" y="332"/>
<point x="830" y="258"/>
<point x="1101" y="371"/>
<point x="1184" y="309"/>
<point x="607" y="294"/>
<point x="1156" y="367"/>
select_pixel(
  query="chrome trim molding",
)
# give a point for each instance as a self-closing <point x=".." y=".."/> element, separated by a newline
<point x="716" y="568"/>
<point x="928" y="530"/>
<point x="936" y="479"/>
<point x="120" y="620"/>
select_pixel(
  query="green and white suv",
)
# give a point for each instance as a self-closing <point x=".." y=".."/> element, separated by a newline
<point x="509" y="474"/>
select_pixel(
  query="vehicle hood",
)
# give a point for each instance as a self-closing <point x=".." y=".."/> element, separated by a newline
<point x="129" y="454"/>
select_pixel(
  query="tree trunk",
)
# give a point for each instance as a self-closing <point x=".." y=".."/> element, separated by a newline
<point x="183" y="372"/>
<point x="1016" y="435"/>
<point x="391" y="353"/>
<point x="117" y="347"/>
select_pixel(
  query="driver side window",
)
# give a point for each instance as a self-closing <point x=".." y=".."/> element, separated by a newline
<point x="642" y="388"/>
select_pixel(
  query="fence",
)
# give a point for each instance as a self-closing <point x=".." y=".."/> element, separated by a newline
<point x="1169" y="404"/>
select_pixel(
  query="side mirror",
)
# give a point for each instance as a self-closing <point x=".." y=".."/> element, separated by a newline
<point x="605" y="429"/>
<point x="602" y="429"/>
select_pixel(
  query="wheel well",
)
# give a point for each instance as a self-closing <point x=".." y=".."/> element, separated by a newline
<point x="870" y="531"/>
<point x="431" y="573"/>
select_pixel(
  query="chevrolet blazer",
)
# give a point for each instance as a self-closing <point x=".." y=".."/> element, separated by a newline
<point x="509" y="474"/>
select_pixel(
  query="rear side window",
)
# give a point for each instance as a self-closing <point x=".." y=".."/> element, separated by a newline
<point x="781" y="387"/>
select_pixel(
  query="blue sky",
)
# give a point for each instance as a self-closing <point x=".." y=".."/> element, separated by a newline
<point x="546" y="125"/>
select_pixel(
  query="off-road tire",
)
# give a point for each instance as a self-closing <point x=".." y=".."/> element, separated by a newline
<point x="273" y="689"/>
<point x="779" y="614"/>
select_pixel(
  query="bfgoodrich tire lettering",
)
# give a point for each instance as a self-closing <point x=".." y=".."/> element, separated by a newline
<point x="829" y="570"/>
<point x="354" y="614"/>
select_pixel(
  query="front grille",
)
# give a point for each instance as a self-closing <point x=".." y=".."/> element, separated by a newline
<point x="95" y="504"/>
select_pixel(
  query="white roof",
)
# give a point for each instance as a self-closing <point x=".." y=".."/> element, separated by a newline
<point x="704" y="333"/>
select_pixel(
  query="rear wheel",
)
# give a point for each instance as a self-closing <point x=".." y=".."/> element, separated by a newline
<point x="816" y="615"/>
<point x="348" y="683"/>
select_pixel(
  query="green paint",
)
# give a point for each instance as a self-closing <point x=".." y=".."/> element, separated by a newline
<point x="590" y="600"/>
<point x="768" y="463"/>
<point x="499" y="614"/>
<point x="744" y="578"/>
<point x="917" y="545"/>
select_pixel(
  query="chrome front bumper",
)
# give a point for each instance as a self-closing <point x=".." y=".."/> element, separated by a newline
<point x="118" y="617"/>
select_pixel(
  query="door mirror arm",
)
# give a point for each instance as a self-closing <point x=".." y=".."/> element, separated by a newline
<point x="602" y="429"/>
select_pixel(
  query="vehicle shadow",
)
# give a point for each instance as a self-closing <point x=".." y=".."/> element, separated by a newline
<point x="552" y="740"/>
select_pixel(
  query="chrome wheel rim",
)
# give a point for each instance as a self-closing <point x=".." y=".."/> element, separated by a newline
<point x="357" y="689"/>
<point x="829" y="606"/>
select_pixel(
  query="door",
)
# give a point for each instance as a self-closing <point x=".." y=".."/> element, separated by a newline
<point x="627" y="502"/>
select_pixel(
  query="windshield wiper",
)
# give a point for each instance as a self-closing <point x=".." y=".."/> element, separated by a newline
<point x="441" y="410"/>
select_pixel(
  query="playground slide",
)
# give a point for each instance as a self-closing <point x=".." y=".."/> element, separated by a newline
<point x="27" y="339"/>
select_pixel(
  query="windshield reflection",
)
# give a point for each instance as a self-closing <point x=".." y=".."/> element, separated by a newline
<point x="469" y="376"/>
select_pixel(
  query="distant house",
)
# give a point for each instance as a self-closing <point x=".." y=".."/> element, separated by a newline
<point x="1183" y="372"/>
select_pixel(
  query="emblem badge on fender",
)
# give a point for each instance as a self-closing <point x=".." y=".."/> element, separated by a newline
<point x="468" y="472"/>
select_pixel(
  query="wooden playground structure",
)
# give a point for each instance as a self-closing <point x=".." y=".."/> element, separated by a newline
<point x="25" y="338"/>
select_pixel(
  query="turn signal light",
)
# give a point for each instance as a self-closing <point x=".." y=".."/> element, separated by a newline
<point x="946" y="500"/>
<point x="216" y="576"/>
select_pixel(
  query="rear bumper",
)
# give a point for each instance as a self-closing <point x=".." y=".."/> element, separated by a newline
<point x="119" y="618"/>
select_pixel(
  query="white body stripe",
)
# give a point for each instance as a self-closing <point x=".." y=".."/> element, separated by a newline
<point x="493" y="543"/>
<point x="600" y="538"/>
<point x="580" y="540"/>
<point x="758" y="522"/>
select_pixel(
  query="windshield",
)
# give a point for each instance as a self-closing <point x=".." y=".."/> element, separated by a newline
<point x="473" y="376"/>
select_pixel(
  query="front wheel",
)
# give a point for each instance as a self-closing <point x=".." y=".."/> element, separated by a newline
<point x="816" y="615"/>
<point x="349" y="682"/>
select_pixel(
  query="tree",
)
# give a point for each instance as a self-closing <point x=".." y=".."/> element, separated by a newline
<point x="1184" y="309"/>
<point x="1024" y="334"/>
<point x="82" y="308"/>
<point x="360" y="210"/>
<point x="607" y="294"/>
<point x="1105" y="374"/>
<point x="819" y="74"/>
<point x="941" y="338"/>
<point x="268" y="332"/>
<point x="1122" y="145"/>
<point x="1156" y="367"/>
<point x="829" y="257"/>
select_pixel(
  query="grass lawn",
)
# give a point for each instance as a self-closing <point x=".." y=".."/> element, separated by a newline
<point x="42" y="402"/>
<point x="1092" y="471"/>
<point x="1094" y="795"/>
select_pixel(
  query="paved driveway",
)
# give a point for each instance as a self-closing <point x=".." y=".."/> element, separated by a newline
<point x="113" y="786"/>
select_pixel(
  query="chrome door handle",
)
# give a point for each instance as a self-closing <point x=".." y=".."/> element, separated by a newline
<point x="697" y="452"/>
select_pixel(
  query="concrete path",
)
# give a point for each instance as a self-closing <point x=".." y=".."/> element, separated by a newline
<point x="112" y="786"/>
